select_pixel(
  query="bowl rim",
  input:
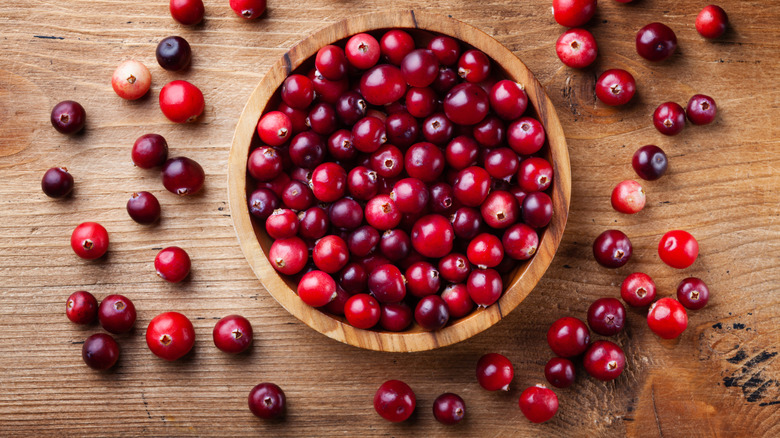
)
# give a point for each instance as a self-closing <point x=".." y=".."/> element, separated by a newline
<point x="524" y="278"/>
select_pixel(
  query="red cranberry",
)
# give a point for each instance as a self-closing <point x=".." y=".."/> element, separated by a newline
<point x="395" y="245"/>
<point x="466" y="104"/>
<point x="100" y="351"/>
<point x="68" y="117"/>
<point x="449" y="408"/>
<point x="297" y="118"/>
<point x="424" y="161"/>
<point x="353" y="279"/>
<point x="307" y="150"/>
<point x="606" y="316"/>
<point x="340" y="145"/>
<point x="438" y="129"/>
<point x="577" y="48"/>
<point x="526" y="136"/>
<point x="233" y="334"/>
<point x="537" y="209"/>
<point x="282" y="224"/>
<point x="297" y="196"/>
<point x="395" y="45"/>
<point x="172" y="264"/>
<point x="81" y="307"/>
<point x="336" y="307"/>
<point x="667" y="318"/>
<point x="535" y="174"/>
<point x="410" y="195"/>
<point x="495" y="372"/>
<point x="538" y="403"/>
<point x="351" y="107"/>
<point x="432" y="313"/>
<point x="346" y="214"/>
<point x="650" y="162"/>
<point x="462" y="152"/>
<point x="508" y="99"/>
<point x="173" y="53"/>
<point x="402" y="129"/>
<point x="615" y="87"/>
<point x="568" y="337"/>
<point x="131" y="80"/>
<point x="267" y="401"/>
<point x="471" y="186"/>
<point x="331" y="62"/>
<point x="458" y="300"/>
<point x="520" y="242"/>
<point x="656" y="42"/>
<point x="484" y="286"/>
<point x="454" y="268"/>
<point x="116" y="314"/>
<point x="181" y="102"/>
<point x="638" y="290"/>
<point x="363" y="183"/>
<point x="328" y="182"/>
<point x="330" y="254"/>
<point x="701" y="109"/>
<point x="150" y="150"/>
<point x="362" y="311"/>
<point x="187" y="12"/>
<point x="368" y="134"/>
<point x="693" y="293"/>
<point x="274" y="128"/>
<point x="573" y="13"/>
<point x="560" y="372"/>
<point x="612" y="249"/>
<point x="382" y="213"/>
<point x="382" y="85"/>
<point x="501" y="163"/>
<point x="466" y="222"/>
<point x="388" y="161"/>
<point x="446" y="79"/>
<point x="712" y="21"/>
<point x="322" y="119"/>
<point x="490" y="132"/>
<point x="604" y="360"/>
<point x="57" y="182"/>
<point x="143" y="207"/>
<point x="264" y="163"/>
<point x="446" y="49"/>
<point x="485" y="251"/>
<point x="297" y="91"/>
<point x="421" y="102"/>
<point x="474" y="66"/>
<point x="441" y="198"/>
<point x="386" y="284"/>
<point x="420" y="68"/>
<point x="314" y="223"/>
<point x="288" y="256"/>
<point x="669" y="118"/>
<point x="432" y="236"/>
<point x="262" y="203"/>
<point x="317" y="288"/>
<point x="183" y="176"/>
<point x="362" y="51"/>
<point x="89" y="240"/>
<point x="394" y="401"/>
<point x="395" y="317"/>
<point x="422" y="279"/>
<point x="363" y="241"/>
<point x="628" y="197"/>
<point x="678" y="249"/>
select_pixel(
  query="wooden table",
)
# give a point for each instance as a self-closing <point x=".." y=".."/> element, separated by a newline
<point x="720" y="378"/>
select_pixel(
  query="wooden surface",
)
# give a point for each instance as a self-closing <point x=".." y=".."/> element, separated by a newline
<point x="720" y="378"/>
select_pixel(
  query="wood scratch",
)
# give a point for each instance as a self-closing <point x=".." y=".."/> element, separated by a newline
<point x="655" y="410"/>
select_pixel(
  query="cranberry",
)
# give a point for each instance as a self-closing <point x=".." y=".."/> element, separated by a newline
<point x="441" y="199"/>
<point x="458" y="300"/>
<point x="395" y="45"/>
<point x="701" y="109"/>
<point x="577" y="48"/>
<point x="508" y="99"/>
<point x="573" y="13"/>
<point x="351" y="107"/>
<point x="368" y="134"/>
<point x="678" y="249"/>
<point x="466" y="222"/>
<point x="297" y="118"/>
<point x="615" y="87"/>
<point x="432" y="313"/>
<point x="667" y="318"/>
<point x="471" y="186"/>
<point x="382" y="213"/>
<point x="330" y="254"/>
<point x="68" y="117"/>
<point x="274" y="128"/>
<point x="466" y="104"/>
<point x="485" y="251"/>
<point x="520" y="242"/>
<point x="262" y="203"/>
<point x="501" y="163"/>
<point x="394" y="401"/>
<point x="143" y="207"/>
<point x="402" y="129"/>
<point x="307" y="150"/>
<point x="340" y="145"/>
<point x="693" y="293"/>
<point x="382" y="84"/>
<point x="438" y="129"/>
<point x="484" y="286"/>
<point x="100" y="351"/>
<point x="650" y="162"/>
<point x="297" y="196"/>
<point x="474" y="66"/>
<point x="423" y="279"/>
<point x="81" y="307"/>
<point x="669" y="118"/>
<point x="462" y="152"/>
<point x="421" y="102"/>
<point x="490" y="132"/>
<point x="57" y="182"/>
<point x="526" y="136"/>
<point x="420" y="68"/>
<point x="173" y="53"/>
<point x="628" y="197"/>
<point x="183" y="176"/>
<point x="568" y="337"/>
<point x="150" y="150"/>
<point x="712" y="21"/>
<point x="386" y="284"/>
<point x="181" y="102"/>
<point x="612" y="249"/>
<point x="331" y="62"/>
<point x="172" y="264"/>
<point x="363" y="51"/>
<point x="638" y="290"/>
<point x="314" y="223"/>
<point x="454" y="268"/>
<point x="395" y="245"/>
<point x="449" y="408"/>
<point x="346" y="214"/>
<point x="288" y="256"/>
<point x="89" y="240"/>
<point x="328" y="182"/>
<point x="317" y="288"/>
<point x="395" y="317"/>
<point x="388" y="161"/>
<point x="264" y="163"/>
<point x="446" y="79"/>
<point x="363" y="240"/>
<point x="538" y="403"/>
<point x="282" y="224"/>
<point x="535" y="174"/>
<point x="537" y="209"/>
<point x="362" y="311"/>
<point x="233" y="334"/>
<point x="116" y="314"/>
<point x="267" y="401"/>
<point x="495" y="372"/>
<point x="410" y="195"/>
<point x="432" y="236"/>
<point x="519" y="194"/>
<point x="560" y="372"/>
<point x="604" y="360"/>
<point x="187" y="12"/>
<point x="322" y="119"/>
<point x="606" y="316"/>
<point x="446" y="49"/>
<point x="353" y="279"/>
<point x="655" y="42"/>
<point x="131" y="80"/>
<point x="297" y="91"/>
<point x="424" y="161"/>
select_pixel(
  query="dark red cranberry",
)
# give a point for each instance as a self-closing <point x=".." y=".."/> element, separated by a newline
<point x="100" y="351"/>
<point x="267" y="401"/>
<point x="485" y="251"/>
<point x="454" y="268"/>
<point x="650" y="162"/>
<point x="314" y="223"/>
<point x="484" y="286"/>
<point x="656" y="42"/>
<point x="508" y="99"/>
<point x="395" y="317"/>
<point x="297" y="91"/>
<point x="68" y="117"/>
<point x="262" y="202"/>
<point x="490" y="132"/>
<point x="701" y="109"/>
<point x="394" y="401"/>
<point x="615" y="87"/>
<point x="446" y="79"/>
<point x="577" y="48"/>
<point x="410" y="195"/>
<point x="363" y="183"/>
<point x="519" y="194"/>
<point x="538" y="403"/>
<point x="638" y="290"/>
<point x="307" y="150"/>
<point x="432" y="313"/>
<point x="276" y="185"/>
<point x="458" y="300"/>
<point x="57" y="182"/>
<point x="337" y="306"/>
<point x="471" y="186"/>
<point x="712" y="22"/>
<point x="438" y="129"/>
<point x="116" y="314"/>
<point x="420" y="68"/>
<point x="183" y="176"/>
<point x="297" y="196"/>
<point x="172" y="264"/>
<point x="669" y="118"/>
<point x="560" y="372"/>
<point x="441" y="198"/>
<point x="667" y="318"/>
<point x="233" y="334"/>
<point x="322" y="119"/>
<point x="421" y="102"/>
<point x="353" y="279"/>
<point x="520" y="242"/>
<point x="331" y="62"/>
<point x="382" y="85"/>
<point x="568" y="337"/>
<point x="297" y="118"/>
<point x="678" y="249"/>
<point x="526" y="136"/>
<point x="351" y="107"/>
<point x="537" y="209"/>
<point x="363" y="241"/>
<point x="187" y="12"/>
<point x="466" y="222"/>
<point x="424" y="161"/>
<point x="573" y="13"/>
<point x="346" y="214"/>
<point x="362" y="311"/>
<point x="604" y="360"/>
<point x="340" y="145"/>
<point x="462" y="152"/>
<point x="264" y="163"/>
<point x="612" y="249"/>
<point x="89" y="240"/>
<point x="466" y="104"/>
<point x="446" y="49"/>
<point x="449" y="408"/>
<point x="325" y="90"/>
<point x="606" y="316"/>
<point x="143" y="207"/>
<point x="495" y="372"/>
<point x="473" y="66"/>
<point x="362" y="51"/>
<point x="432" y="236"/>
<point x="368" y="134"/>
<point x="173" y="53"/>
<point x="288" y="256"/>
<point x="150" y="150"/>
<point x="395" y="245"/>
<point x="693" y="293"/>
<point x="402" y="129"/>
<point x="386" y="284"/>
<point x="422" y="279"/>
<point x="282" y="224"/>
<point x="81" y="307"/>
<point x="395" y="45"/>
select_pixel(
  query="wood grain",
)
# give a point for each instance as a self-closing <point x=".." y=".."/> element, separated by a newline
<point x="719" y="379"/>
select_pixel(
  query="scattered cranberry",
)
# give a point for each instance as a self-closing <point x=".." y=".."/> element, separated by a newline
<point x="484" y="286"/>
<point x="615" y="87"/>
<point x="316" y="288"/>
<point x="612" y="249"/>
<point x="172" y="264"/>
<point x="537" y="209"/>
<point x="628" y="197"/>
<point x="170" y="335"/>
<point x="474" y="66"/>
<point x="573" y="13"/>
<point x="233" y="334"/>
<point x="650" y="162"/>
<point x="669" y="118"/>
<point x="382" y="84"/>
<point x="432" y="313"/>
<point x="604" y="360"/>
<point x="116" y="314"/>
<point x="495" y="372"/>
<point x="560" y="372"/>
<point x="100" y="351"/>
<point x="693" y="293"/>
<point x="143" y="207"/>
<point x="150" y="150"/>
<point x="173" y="53"/>
<point x="538" y="403"/>
<point x="568" y="337"/>
<point x="606" y="316"/>
<point x="395" y="317"/>
<point x="183" y="176"/>
<point x="656" y="42"/>
<point x="89" y="240"/>
<point x="68" y="117"/>
<point x="187" y="12"/>
<point x="267" y="401"/>
<point x="678" y="249"/>
<point x="458" y="300"/>
<point x="520" y="242"/>
<point x="701" y="109"/>
<point x="638" y="290"/>
<point x="432" y="236"/>
<point x="131" y="80"/>
<point x="288" y="256"/>
<point x="712" y="21"/>
<point x="181" y="102"/>
<point x="248" y="9"/>
<point x="57" y="182"/>
<point x="449" y="408"/>
<point x="394" y="401"/>
<point x="577" y="48"/>
<point x="667" y="318"/>
<point x="81" y="307"/>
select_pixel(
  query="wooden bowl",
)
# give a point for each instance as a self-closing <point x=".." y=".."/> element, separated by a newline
<point x="255" y="243"/>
